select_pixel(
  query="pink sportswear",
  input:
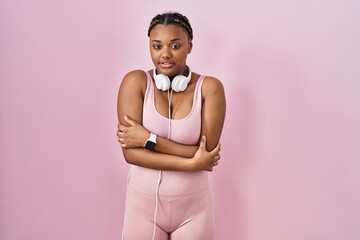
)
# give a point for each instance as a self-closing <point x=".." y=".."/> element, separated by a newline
<point x="185" y="206"/>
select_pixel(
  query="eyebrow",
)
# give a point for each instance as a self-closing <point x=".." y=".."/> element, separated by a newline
<point x="172" y="40"/>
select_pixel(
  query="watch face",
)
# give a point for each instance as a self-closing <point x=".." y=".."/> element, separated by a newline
<point x="149" y="145"/>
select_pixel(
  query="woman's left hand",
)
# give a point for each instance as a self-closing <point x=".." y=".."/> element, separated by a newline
<point x="133" y="136"/>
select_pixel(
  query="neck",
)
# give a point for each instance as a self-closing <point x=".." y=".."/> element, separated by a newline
<point x="185" y="72"/>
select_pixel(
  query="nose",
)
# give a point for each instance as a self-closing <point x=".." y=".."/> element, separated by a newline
<point x="166" y="53"/>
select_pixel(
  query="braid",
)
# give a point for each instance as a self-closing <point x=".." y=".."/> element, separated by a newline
<point x="172" y="18"/>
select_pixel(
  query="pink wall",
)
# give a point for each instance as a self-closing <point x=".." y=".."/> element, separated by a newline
<point x="290" y="160"/>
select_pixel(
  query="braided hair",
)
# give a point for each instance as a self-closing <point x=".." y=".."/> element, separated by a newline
<point x="172" y="18"/>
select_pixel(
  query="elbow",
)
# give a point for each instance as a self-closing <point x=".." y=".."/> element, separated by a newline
<point x="211" y="146"/>
<point x="128" y="156"/>
<point x="133" y="155"/>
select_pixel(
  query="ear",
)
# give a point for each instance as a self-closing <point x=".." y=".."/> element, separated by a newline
<point x="190" y="46"/>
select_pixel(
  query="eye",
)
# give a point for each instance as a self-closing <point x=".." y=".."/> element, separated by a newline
<point x="175" y="46"/>
<point x="157" y="46"/>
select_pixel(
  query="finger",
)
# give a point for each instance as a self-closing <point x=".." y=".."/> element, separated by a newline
<point x="218" y="146"/>
<point x="216" y="150"/>
<point x="120" y="134"/>
<point x="122" y="144"/>
<point x="202" y="142"/>
<point x="122" y="128"/>
<point x="129" y="121"/>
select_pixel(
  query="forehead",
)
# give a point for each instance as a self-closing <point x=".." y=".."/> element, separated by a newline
<point x="169" y="30"/>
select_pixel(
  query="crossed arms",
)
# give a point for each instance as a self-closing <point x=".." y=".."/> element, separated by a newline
<point x="169" y="155"/>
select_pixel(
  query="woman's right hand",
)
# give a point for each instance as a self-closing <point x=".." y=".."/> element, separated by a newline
<point x="204" y="160"/>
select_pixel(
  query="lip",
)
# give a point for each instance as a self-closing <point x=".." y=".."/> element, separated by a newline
<point x="166" y="64"/>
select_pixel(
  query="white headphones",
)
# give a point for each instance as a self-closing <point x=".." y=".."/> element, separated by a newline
<point x="178" y="84"/>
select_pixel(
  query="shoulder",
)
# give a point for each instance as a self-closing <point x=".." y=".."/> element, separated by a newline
<point x="136" y="76"/>
<point x="212" y="85"/>
<point x="134" y="79"/>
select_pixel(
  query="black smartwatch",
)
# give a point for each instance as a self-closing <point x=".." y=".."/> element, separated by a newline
<point x="151" y="142"/>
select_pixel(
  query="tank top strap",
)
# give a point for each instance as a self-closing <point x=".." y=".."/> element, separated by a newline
<point x="197" y="93"/>
<point x="149" y="93"/>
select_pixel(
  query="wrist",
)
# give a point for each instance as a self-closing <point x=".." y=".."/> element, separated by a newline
<point x="190" y="164"/>
<point x="150" y="142"/>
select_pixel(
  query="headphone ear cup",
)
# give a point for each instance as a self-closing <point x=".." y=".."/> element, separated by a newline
<point x="162" y="82"/>
<point x="179" y="83"/>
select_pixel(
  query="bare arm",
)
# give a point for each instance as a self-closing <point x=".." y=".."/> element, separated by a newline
<point x="213" y="111"/>
<point x="135" y="136"/>
<point x="202" y="160"/>
<point x="130" y="103"/>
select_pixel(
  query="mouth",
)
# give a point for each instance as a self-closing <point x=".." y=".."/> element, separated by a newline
<point x="166" y="64"/>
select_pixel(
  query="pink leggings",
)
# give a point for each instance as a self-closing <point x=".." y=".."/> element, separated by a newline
<point x="182" y="217"/>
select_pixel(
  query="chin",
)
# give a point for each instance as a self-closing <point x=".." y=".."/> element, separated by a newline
<point x="167" y="71"/>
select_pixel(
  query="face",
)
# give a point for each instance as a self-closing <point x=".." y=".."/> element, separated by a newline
<point x="169" y="47"/>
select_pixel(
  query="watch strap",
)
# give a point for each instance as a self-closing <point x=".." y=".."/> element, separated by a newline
<point x="152" y="137"/>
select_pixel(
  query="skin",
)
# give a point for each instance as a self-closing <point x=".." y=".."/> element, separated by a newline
<point x="169" y="48"/>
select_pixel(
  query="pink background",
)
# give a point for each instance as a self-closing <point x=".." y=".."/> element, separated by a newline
<point x="290" y="166"/>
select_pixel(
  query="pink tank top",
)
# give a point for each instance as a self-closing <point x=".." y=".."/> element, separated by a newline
<point x="185" y="131"/>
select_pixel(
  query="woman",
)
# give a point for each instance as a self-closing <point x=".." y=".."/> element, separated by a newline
<point x="162" y="114"/>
